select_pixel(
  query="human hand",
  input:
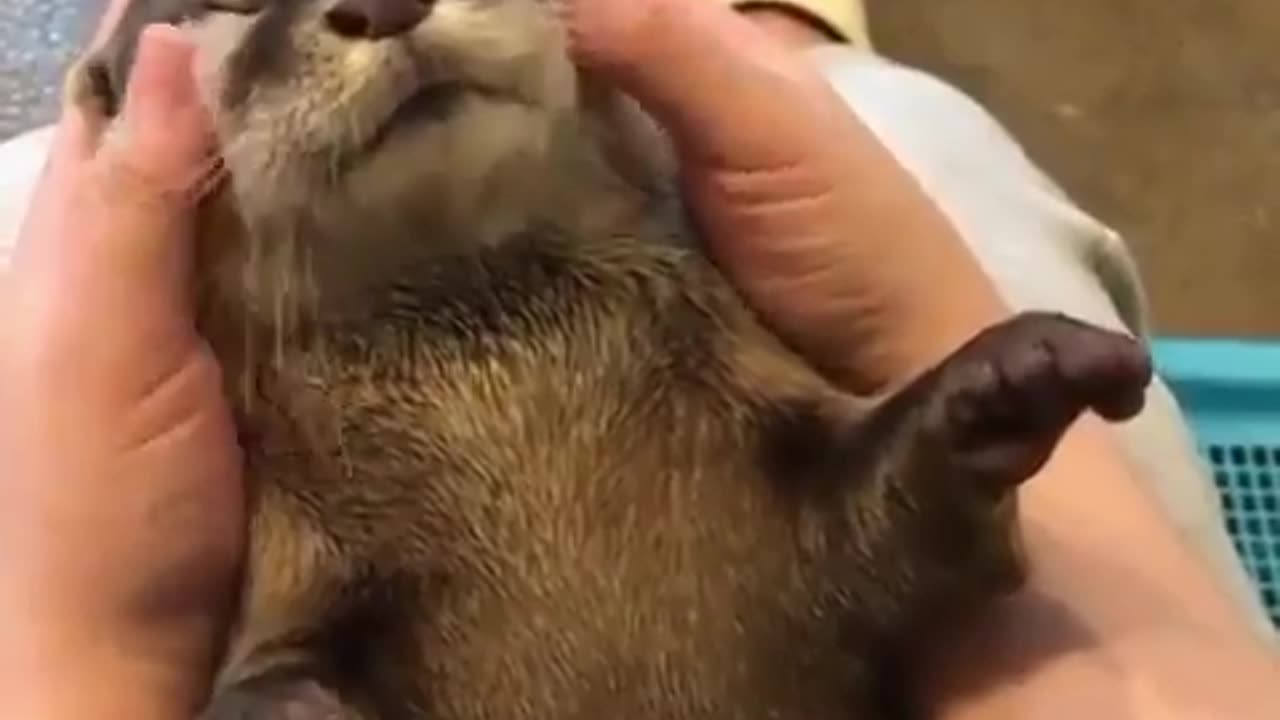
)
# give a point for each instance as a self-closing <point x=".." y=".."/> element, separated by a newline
<point x="121" y="514"/>
<point x="809" y="215"/>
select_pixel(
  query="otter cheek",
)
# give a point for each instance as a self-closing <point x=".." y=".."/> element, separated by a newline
<point x="217" y="37"/>
<point x="209" y="84"/>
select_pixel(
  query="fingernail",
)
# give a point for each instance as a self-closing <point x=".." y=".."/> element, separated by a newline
<point x="168" y="129"/>
<point x="599" y="30"/>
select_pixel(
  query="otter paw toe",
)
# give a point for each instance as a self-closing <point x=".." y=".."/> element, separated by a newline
<point x="1010" y="394"/>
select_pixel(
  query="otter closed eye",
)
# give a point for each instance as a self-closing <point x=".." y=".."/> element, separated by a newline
<point x="518" y="449"/>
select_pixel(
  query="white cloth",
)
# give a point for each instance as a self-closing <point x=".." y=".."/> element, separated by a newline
<point x="1044" y="253"/>
<point x="1042" y="250"/>
<point x="21" y="162"/>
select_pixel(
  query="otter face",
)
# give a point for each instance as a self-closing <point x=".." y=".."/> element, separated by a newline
<point x="366" y="109"/>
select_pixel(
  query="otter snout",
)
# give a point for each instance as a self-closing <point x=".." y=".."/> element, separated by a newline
<point x="376" y="19"/>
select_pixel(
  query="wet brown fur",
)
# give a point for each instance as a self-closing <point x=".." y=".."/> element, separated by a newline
<point x="536" y="459"/>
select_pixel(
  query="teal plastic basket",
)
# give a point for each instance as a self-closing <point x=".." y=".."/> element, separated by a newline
<point x="1230" y="391"/>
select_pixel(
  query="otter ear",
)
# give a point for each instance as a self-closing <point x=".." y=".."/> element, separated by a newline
<point x="87" y="87"/>
<point x="279" y="698"/>
<point x="95" y="83"/>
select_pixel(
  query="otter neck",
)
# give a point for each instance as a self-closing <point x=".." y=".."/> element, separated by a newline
<point x="601" y="173"/>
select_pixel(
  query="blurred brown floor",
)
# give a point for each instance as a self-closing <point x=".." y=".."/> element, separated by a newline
<point x="1162" y="117"/>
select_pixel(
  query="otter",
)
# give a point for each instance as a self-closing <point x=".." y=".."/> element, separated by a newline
<point x="515" y="448"/>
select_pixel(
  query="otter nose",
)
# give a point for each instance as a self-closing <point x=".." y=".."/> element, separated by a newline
<point x="376" y="19"/>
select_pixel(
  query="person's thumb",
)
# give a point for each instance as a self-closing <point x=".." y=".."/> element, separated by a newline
<point x="115" y="205"/>
<point x="110" y="235"/>
<point x="763" y="142"/>
<point x="151" y="167"/>
<point x="682" y="58"/>
<point x="166" y="129"/>
<point x="796" y="197"/>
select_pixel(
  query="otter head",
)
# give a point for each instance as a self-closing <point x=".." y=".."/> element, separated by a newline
<point x="386" y="128"/>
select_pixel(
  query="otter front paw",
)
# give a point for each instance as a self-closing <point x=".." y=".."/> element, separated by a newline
<point x="1009" y="395"/>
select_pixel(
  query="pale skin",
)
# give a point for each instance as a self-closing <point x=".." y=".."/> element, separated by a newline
<point x="107" y="430"/>
<point x="120" y="509"/>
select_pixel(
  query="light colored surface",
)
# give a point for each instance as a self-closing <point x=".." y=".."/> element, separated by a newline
<point x="21" y="162"/>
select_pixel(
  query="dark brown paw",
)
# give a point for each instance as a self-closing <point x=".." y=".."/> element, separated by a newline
<point x="1010" y="394"/>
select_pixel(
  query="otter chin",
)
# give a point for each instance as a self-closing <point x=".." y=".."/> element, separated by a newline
<point x="514" y="447"/>
<point x="428" y="106"/>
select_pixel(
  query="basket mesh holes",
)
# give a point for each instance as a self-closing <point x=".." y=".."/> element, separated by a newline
<point x="1248" y="477"/>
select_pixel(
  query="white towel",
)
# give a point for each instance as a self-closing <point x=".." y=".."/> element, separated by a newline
<point x="21" y="162"/>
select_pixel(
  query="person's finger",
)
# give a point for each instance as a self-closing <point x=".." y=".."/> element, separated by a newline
<point x="70" y="150"/>
<point x="795" y="195"/>
<point x="113" y="235"/>
<point x="76" y="136"/>
<point x="163" y="110"/>
<point x="680" y="59"/>
<point x="41" y="232"/>
<point x="145" y="178"/>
